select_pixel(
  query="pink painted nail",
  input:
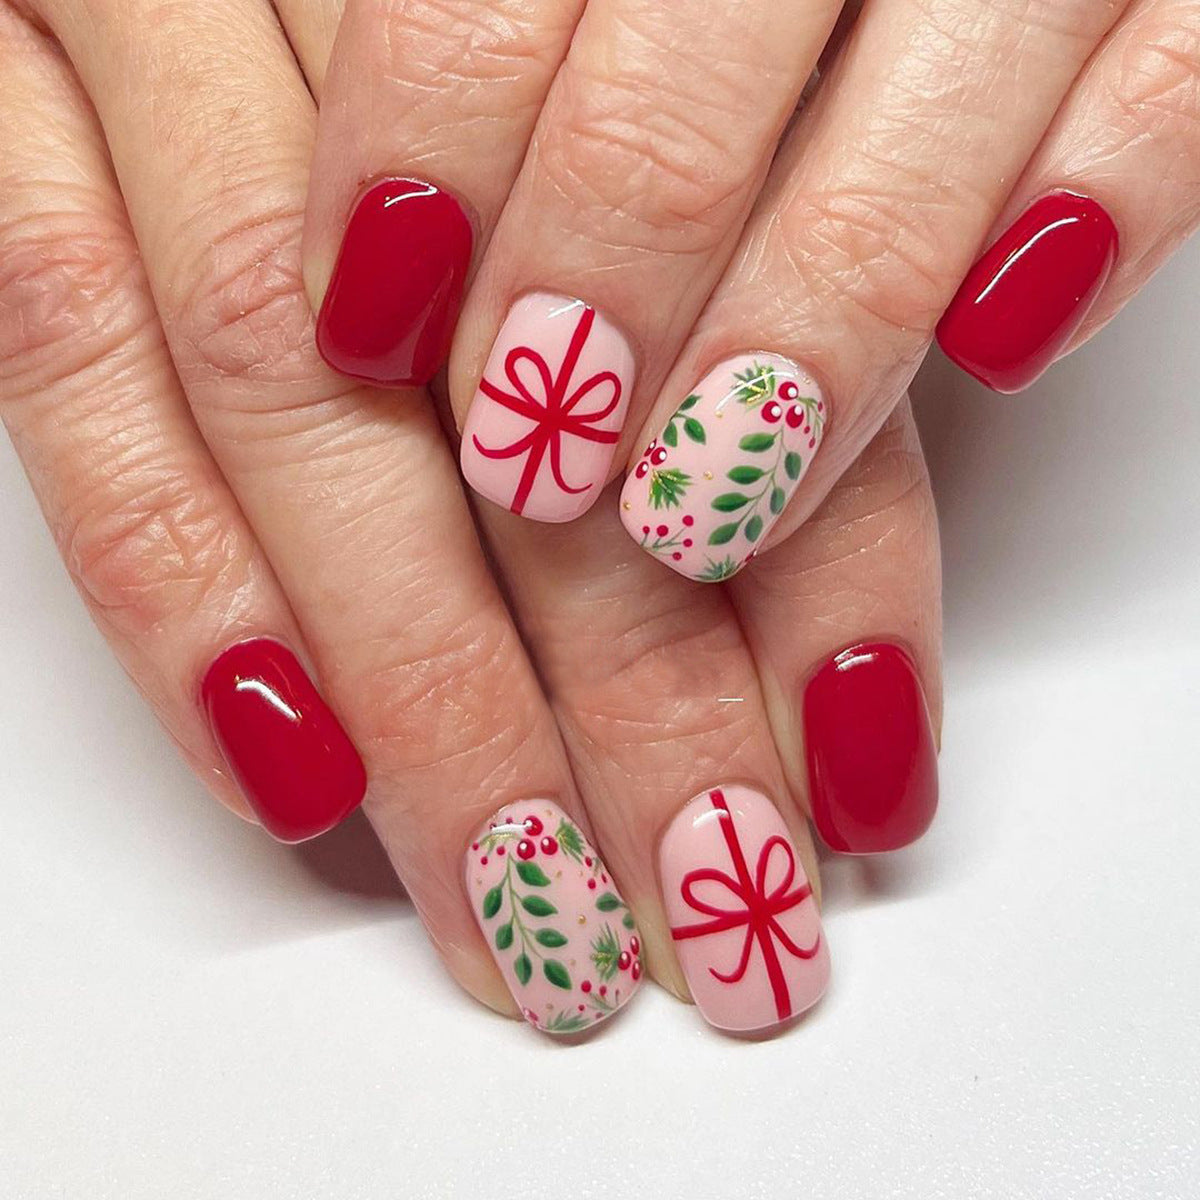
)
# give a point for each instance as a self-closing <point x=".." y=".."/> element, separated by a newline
<point x="541" y="431"/>
<point x="563" y="938"/>
<point x="715" y="480"/>
<point x="741" y="910"/>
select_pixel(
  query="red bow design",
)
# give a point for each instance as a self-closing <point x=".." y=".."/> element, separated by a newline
<point x="555" y="415"/>
<point x="761" y="908"/>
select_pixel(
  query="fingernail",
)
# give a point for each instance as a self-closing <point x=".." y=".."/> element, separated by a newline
<point x="1025" y="299"/>
<point x="293" y="760"/>
<point x="541" y="431"/>
<point x="563" y="938"/>
<point x="742" y="913"/>
<point x="872" y="761"/>
<point x="708" y="489"/>
<point x="393" y="300"/>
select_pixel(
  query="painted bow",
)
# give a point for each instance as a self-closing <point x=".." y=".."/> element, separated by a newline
<point x="760" y="907"/>
<point x="553" y="414"/>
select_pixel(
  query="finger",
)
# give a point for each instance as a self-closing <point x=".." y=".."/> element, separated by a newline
<point x="884" y="188"/>
<point x="662" y="715"/>
<point x="151" y="534"/>
<point x="845" y="623"/>
<point x="1123" y="154"/>
<point x="355" y="501"/>
<point x="652" y="145"/>
<point x="431" y="103"/>
<point x="311" y="26"/>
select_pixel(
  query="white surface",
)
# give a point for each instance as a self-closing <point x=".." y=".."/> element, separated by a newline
<point x="187" y="1010"/>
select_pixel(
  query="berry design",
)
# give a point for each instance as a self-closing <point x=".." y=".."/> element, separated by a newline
<point x="541" y="431"/>
<point x="750" y="430"/>
<point x="559" y="931"/>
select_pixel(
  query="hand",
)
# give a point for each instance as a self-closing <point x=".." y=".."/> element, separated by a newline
<point x="597" y="168"/>
<point x="220" y="497"/>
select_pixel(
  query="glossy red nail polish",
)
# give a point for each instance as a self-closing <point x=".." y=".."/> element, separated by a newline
<point x="295" y="764"/>
<point x="1024" y="300"/>
<point x="872" y="763"/>
<point x="393" y="300"/>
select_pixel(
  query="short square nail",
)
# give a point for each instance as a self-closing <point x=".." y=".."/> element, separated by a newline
<point x="563" y="938"/>
<point x="1025" y="299"/>
<point x="394" y="297"/>
<point x="872" y="760"/>
<point x="709" y="487"/>
<point x="541" y="431"/>
<point x="288" y="752"/>
<point x="742" y="913"/>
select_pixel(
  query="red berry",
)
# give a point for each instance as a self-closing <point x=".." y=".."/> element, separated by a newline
<point x="525" y="848"/>
<point x="533" y="826"/>
<point x="820" y="406"/>
<point x="662" y="530"/>
<point x="676" y="556"/>
<point x="642" y="468"/>
<point x="474" y="845"/>
<point x="636" y="972"/>
<point x="659" y="456"/>
<point x="687" y="543"/>
<point x="549" y="845"/>
<point x="592" y="884"/>
<point x="812" y="442"/>
<point x="795" y="417"/>
<point x="635" y="945"/>
<point x="581" y="1008"/>
<point x="788" y="390"/>
<point x="603" y="877"/>
<point x="772" y="411"/>
<point x="603" y="990"/>
<point x="623" y="960"/>
<point x="483" y="860"/>
<point x="689" y="520"/>
<point x="531" y="1016"/>
<point x="585" y="986"/>
<point x="650" y="448"/>
<point x="587" y="862"/>
<point x="499" y="851"/>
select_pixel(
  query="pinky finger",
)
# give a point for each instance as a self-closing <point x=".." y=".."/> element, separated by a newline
<point x="1111" y="193"/>
<point x="153" y="538"/>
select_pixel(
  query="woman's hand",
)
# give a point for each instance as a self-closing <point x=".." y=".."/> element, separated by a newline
<point x="231" y="511"/>
<point x="608" y="160"/>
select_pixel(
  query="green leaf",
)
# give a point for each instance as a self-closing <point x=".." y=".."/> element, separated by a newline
<point x="550" y="937"/>
<point x="723" y="534"/>
<point x="792" y="464"/>
<point x="754" y="527"/>
<point x="694" y="430"/>
<point x="670" y="435"/>
<point x="533" y="874"/>
<point x="606" y="952"/>
<point x="730" y="502"/>
<point x="778" y="500"/>
<point x="556" y="973"/>
<point x="566" y="1022"/>
<point x="666" y="487"/>
<point x="757" y="443"/>
<point x="492" y="902"/>
<point x="608" y="902"/>
<point x="716" y="571"/>
<point x="538" y="906"/>
<point x="690" y="402"/>
<point x="504" y="936"/>
<point x="746" y="474"/>
<point x="570" y="840"/>
<point x="523" y="968"/>
<point x="627" y="920"/>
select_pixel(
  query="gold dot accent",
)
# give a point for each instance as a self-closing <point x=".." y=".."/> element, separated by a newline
<point x="626" y="506"/>
<point x="581" y="920"/>
<point x="557" y="874"/>
<point x="707" y="474"/>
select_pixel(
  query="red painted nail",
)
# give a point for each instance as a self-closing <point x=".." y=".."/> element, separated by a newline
<point x="872" y="764"/>
<point x="295" y="764"/>
<point x="1024" y="300"/>
<point x="393" y="301"/>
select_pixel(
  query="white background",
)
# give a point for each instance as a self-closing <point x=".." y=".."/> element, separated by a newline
<point x="187" y="1010"/>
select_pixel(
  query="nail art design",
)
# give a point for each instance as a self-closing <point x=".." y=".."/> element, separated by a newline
<point x="711" y="485"/>
<point x="289" y="753"/>
<point x="540" y="434"/>
<point x="872" y="758"/>
<point x="1025" y="299"/>
<point x="742" y="912"/>
<point x="562" y="936"/>
<point x="393" y="299"/>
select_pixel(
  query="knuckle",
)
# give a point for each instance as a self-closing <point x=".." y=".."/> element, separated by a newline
<point x="645" y="163"/>
<point x="156" y="549"/>
<point x="245" y="317"/>
<point x="873" y="252"/>
<point x="1155" y="78"/>
<point x="68" y="297"/>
